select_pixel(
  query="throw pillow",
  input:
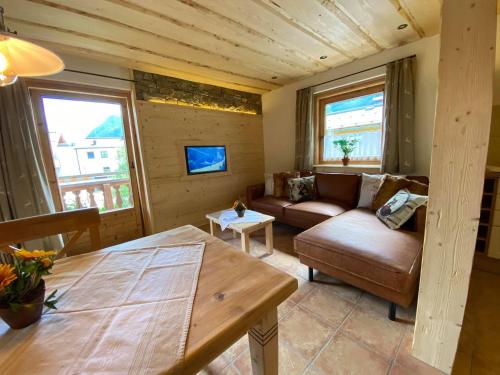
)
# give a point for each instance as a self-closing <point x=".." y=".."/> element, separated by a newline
<point x="399" y="208"/>
<point x="281" y="183"/>
<point x="269" y="184"/>
<point x="418" y="188"/>
<point x="301" y="189"/>
<point x="392" y="184"/>
<point x="370" y="183"/>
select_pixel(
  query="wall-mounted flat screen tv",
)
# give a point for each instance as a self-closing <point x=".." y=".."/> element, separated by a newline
<point x="205" y="159"/>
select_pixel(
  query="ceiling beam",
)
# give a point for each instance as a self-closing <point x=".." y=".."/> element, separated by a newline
<point x="406" y="14"/>
<point x="203" y="9"/>
<point x="144" y="66"/>
<point x="350" y="22"/>
<point x="93" y="39"/>
<point x="276" y="9"/>
<point x="229" y="60"/>
<point x="289" y="58"/>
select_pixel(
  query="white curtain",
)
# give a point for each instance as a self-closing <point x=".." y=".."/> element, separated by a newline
<point x="24" y="190"/>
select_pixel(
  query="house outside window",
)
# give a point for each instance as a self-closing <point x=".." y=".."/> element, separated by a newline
<point x="104" y="155"/>
<point x="90" y="155"/>
<point x="352" y="113"/>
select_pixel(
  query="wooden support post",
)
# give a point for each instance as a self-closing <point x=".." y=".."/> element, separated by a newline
<point x="461" y="135"/>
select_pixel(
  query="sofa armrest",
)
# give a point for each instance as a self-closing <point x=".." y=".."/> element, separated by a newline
<point x="420" y="215"/>
<point x="254" y="192"/>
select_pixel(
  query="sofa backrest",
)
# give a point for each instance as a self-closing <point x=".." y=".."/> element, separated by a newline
<point x="340" y="187"/>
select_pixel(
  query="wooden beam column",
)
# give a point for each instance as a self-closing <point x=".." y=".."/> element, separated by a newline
<point x="461" y="134"/>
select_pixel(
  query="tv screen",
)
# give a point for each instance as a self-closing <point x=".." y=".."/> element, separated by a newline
<point x="205" y="159"/>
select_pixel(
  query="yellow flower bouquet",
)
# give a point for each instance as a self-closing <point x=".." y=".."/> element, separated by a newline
<point x="22" y="289"/>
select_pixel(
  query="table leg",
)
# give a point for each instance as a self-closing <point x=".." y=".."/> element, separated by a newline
<point x="263" y="339"/>
<point x="212" y="228"/>
<point x="269" y="238"/>
<point x="245" y="242"/>
<point x="234" y="234"/>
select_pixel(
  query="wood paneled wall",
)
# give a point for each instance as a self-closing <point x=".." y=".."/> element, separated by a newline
<point x="176" y="198"/>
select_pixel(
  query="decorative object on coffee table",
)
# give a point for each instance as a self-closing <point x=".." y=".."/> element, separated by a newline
<point x="239" y="207"/>
<point x="250" y="223"/>
<point x="347" y="146"/>
<point x="22" y="289"/>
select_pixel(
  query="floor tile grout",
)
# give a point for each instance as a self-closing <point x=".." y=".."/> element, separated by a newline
<point x="322" y="349"/>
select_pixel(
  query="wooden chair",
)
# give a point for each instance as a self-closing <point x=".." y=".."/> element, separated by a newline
<point x="14" y="232"/>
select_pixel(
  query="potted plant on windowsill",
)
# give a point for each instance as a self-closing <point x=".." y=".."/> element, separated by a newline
<point x="22" y="289"/>
<point x="347" y="146"/>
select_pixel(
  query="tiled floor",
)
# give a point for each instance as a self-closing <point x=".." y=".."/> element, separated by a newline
<point x="327" y="327"/>
<point x="479" y="346"/>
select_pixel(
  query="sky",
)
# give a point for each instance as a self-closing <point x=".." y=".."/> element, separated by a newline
<point x="76" y="118"/>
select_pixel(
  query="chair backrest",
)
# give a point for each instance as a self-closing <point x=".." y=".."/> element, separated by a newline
<point x="36" y="227"/>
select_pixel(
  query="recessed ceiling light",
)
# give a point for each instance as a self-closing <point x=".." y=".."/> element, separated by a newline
<point x="274" y="77"/>
<point x="323" y="57"/>
<point x="402" y="26"/>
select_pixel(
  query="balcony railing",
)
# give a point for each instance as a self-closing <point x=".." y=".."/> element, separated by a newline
<point x="106" y="194"/>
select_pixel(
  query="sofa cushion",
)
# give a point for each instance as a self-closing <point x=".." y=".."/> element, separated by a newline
<point x="270" y="205"/>
<point x="313" y="212"/>
<point x="342" y="188"/>
<point x="281" y="183"/>
<point x="358" y="243"/>
<point x="393" y="184"/>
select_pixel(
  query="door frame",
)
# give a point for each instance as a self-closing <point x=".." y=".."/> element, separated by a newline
<point x="44" y="88"/>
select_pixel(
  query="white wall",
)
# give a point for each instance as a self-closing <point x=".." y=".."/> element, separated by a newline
<point x="278" y="106"/>
<point x="92" y="66"/>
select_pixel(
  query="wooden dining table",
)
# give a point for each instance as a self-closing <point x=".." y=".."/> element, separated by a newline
<point x="237" y="294"/>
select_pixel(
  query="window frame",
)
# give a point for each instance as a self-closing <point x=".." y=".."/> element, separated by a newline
<point x="321" y="100"/>
<point x="40" y="89"/>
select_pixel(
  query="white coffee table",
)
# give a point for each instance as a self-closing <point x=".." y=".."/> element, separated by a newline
<point x="245" y="229"/>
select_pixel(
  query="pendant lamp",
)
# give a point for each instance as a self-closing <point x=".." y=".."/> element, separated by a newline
<point x="20" y="58"/>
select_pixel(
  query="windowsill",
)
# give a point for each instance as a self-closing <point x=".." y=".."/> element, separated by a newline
<point x="357" y="168"/>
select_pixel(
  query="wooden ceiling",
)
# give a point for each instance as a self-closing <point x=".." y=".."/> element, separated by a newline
<point x="249" y="45"/>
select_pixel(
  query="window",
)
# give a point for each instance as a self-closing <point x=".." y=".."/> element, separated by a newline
<point x="355" y="113"/>
<point x="90" y="157"/>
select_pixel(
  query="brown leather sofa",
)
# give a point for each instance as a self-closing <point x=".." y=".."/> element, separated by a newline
<point x="350" y="243"/>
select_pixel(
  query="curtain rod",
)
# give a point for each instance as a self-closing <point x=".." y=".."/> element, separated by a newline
<point x="98" y="75"/>
<point x="361" y="71"/>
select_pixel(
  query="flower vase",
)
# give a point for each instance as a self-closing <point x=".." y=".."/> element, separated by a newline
<point x="345" y="161"/>
<point x="240" y="212"/>
<point x="28" y="312"/>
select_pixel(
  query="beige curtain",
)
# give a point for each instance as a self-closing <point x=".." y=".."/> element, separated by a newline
<point x="399" y="117"/>
<point x="304" y="130"/>
<point x="24" y="189"/>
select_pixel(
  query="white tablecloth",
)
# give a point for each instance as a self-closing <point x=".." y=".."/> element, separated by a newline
<point x="231" y="217"/>
<point x="119" y="312"/>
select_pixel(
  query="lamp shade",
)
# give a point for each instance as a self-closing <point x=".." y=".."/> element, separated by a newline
<point x="20" y="58"/>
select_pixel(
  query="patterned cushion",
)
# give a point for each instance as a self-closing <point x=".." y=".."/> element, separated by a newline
<point x="369" y="188"/>
<point x="301" y="189"/>
<point x="398" y="209"/>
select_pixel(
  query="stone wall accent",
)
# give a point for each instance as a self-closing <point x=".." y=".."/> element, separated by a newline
<point x="162" y="89"/>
